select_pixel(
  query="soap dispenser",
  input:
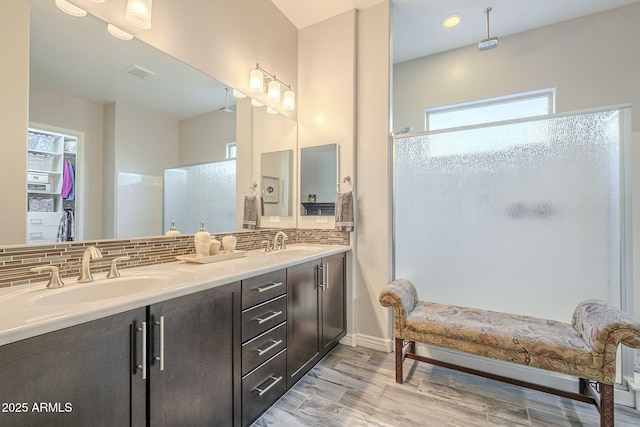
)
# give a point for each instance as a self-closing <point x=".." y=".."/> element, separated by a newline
<point x="203" y="241"/>
<point x="172" y="231"/>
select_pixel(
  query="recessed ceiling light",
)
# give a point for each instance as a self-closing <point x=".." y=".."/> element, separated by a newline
<point x="452" y="20"/>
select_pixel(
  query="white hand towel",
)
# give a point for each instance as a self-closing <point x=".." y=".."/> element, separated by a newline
<point x="344" y="211"/>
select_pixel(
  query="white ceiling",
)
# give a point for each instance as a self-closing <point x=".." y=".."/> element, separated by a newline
<point x="417" y="28"/>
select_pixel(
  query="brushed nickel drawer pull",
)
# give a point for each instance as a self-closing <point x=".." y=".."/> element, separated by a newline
<point x="275" y="381"/>
<point x="268" y="288"/>
<point x="271" y="347"/>
<point x="160" y="358"/>
<point x="266" y="319"/>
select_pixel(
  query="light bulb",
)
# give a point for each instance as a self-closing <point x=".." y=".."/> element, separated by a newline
<point x="139" y="13"/>
<point x="273" y="91"/>
<point x="256" y="81"/>
<point x="289" y="100"/>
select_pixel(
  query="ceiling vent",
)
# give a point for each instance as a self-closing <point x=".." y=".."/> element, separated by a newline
<point x="138" y="71"/>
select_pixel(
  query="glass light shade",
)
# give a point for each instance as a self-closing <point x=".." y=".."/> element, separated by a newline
<point x="256" y="81"/>
<point x="289" y="100"/>
<point x="256" y="103"/>
<point x="71" y="9"/>
<point x="118" y="33"/>
<point x="271" y="110"/>
<point x="239" y="95"/>
<point x="139" y="13"/>
<point x="273" y="91"/>
<point x="98" y="1"/>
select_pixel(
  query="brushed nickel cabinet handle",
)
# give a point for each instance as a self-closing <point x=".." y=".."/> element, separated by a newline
<point x="275" y="381"/>
<point x="266" y="319"/>
<point x="271" y="347"/>
<point x="143" y="366"/>
<point x="267" y="288"/>
<point x="160" y="358"/>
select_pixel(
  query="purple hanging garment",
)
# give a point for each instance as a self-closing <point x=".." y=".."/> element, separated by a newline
<point x="67" y="181"/>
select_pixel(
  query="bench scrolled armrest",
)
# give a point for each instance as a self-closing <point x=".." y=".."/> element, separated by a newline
<point x="401" y="295"/>
<point x="603" y="327"/>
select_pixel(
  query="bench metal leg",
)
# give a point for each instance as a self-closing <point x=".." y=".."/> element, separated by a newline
<point x="606" y="405"/>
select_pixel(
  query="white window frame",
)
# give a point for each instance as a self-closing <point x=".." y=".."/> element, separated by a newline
<point x="548" y="93"/>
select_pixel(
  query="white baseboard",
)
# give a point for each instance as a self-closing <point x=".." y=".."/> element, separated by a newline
<point x="623" y="395"/>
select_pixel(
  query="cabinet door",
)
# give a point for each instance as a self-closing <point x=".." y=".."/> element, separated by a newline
<point x="333" y="302"/>
<point x="303" y="321"/>
<point x="79" y="376"/>
<point x="191" y="376"/>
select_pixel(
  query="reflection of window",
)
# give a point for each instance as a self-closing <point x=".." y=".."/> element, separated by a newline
<point x="510" y="107"/>
<point x="231" y="150"/>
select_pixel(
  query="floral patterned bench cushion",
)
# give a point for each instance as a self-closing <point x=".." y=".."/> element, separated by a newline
<point x="586" y="348"/>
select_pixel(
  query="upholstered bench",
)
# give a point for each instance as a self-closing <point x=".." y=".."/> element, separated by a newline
<point x="585" y="349"/>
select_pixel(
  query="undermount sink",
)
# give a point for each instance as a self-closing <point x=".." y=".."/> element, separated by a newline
<point x="297" y="250"/>
<point x="100" y="289"/>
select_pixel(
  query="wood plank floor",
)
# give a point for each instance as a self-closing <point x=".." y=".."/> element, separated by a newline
<point x="356" y="387"/>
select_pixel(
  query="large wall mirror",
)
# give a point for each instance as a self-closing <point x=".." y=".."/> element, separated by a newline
<point x="141" y="112"/>
<point x="318" y="179"/>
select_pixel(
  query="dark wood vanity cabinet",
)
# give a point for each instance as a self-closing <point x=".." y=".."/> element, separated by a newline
<point x="316" y="312"/>
<point x="82" y="375"/>
<point x="167" y="364"/>
<point x="191" y="358"/>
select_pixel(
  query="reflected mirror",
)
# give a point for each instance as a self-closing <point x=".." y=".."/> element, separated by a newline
<point x="139" y="112"/>
<point x="318" y="178"/>
<point x="276" y="183"/>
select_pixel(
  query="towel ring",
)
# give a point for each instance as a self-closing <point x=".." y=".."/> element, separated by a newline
<point x="254" y="190"/>
<point x="345" y="180"/>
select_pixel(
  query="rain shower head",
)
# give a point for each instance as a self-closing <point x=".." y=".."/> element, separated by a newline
<point x="489" y="42"/>
<point x="226" y="109"/>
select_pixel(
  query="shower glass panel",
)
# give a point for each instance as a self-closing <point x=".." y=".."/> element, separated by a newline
<point x="205" y="192"/>
<point x="522" y="216"/>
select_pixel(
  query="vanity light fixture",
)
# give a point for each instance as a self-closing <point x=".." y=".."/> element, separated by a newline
<point x="271" y="110"/>
<point x="139" y="13"/>
<point x="256" y="84"/>
<point x="71" y="9"/>
<point x="118" y="33"/>
<point x="256" y="103"/>
<point x="98" y="1"/>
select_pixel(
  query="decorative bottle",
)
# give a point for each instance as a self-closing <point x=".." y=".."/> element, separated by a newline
<point x="172" y="231"/>
<point x="203" y="241"/>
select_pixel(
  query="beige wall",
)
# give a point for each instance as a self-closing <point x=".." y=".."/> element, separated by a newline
<point x="327" y="91"/>
<point x="14" y="87"/>
<point x="204" y="138"/>
<point x="372" y="182"/>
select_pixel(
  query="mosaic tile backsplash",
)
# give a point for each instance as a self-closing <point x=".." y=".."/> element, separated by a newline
<point x="16" y="261"/>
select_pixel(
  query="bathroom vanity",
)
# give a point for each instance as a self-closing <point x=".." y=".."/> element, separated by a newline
<point x="213" y="344"/>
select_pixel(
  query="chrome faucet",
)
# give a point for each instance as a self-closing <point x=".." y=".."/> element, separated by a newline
<point x="85" y="270"/>
<point x="275" y="241"/>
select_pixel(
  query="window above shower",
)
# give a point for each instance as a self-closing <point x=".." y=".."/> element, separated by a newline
<point x="517" y="106"/>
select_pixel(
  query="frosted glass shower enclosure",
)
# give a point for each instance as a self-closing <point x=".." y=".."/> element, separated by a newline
<point x="204" y="192"/>
<point x="526" y="216"/>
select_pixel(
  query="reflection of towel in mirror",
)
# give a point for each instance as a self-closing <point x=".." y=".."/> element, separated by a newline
<point x="344" y="211"/>
<point x="250" y="218"/>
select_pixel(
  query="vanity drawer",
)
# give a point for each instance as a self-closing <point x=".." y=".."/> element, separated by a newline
<point x="263" y="387"/>
<point x="263" y="317"/>
<point x="261" y="348"/>
<point x="262" y="288"/>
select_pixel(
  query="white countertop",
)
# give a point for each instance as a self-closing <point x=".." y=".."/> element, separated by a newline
<point x="23" y="315"/>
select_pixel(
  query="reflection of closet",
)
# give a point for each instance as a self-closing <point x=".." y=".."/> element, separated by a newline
<point x="51" y="202"/>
